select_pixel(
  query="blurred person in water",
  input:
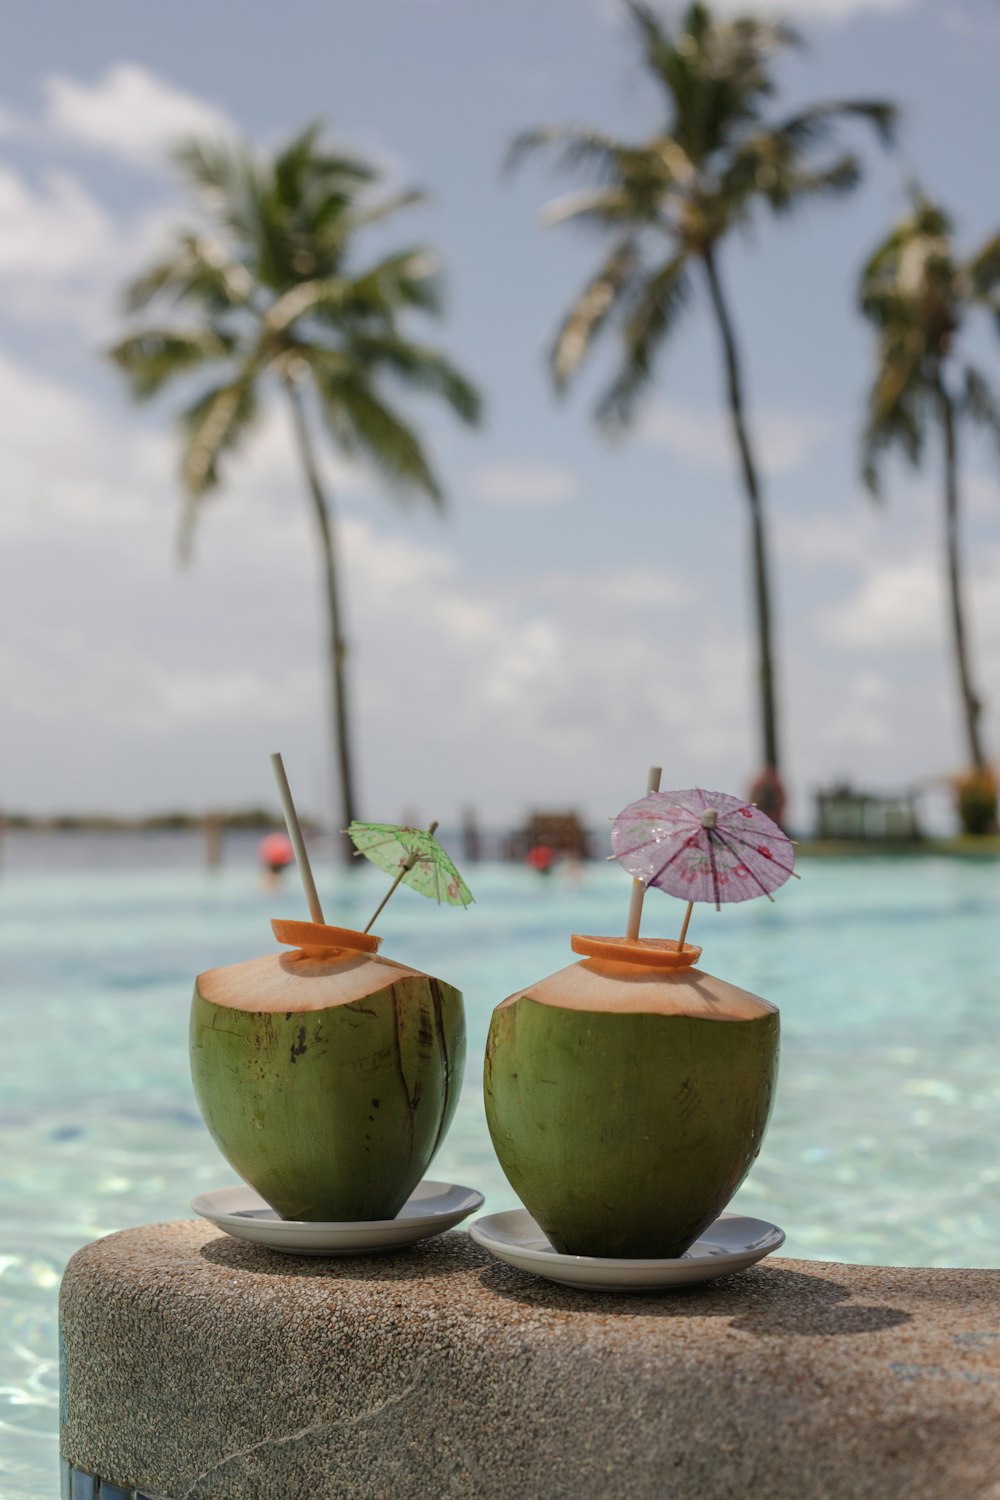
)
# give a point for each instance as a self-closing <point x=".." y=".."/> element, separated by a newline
<point x="541" y="858"/>
<point x="275" y="853"/>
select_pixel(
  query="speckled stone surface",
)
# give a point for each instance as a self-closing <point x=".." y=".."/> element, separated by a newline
<point x="200" y="1366"/>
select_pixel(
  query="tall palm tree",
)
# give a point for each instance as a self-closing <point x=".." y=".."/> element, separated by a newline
<point x="917" y="291"/>
<point x="667" y="204"/>
<point x="265" y="295"/>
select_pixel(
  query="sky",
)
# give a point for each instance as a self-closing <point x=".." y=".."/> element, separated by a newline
<point x="581" y="609"/>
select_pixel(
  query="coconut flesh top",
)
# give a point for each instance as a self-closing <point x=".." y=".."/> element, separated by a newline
<point x="297" y="981"/>
<point x="598" y="985"/>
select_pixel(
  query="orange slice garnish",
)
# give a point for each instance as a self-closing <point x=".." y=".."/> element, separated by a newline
<point x="652" y="953"/>
<point x="310" y="936"/>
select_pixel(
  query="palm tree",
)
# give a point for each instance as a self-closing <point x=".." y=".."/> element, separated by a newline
<point x="916" y="291"/>
<point x="266" y="295"/>
<point x="667" y="204"/>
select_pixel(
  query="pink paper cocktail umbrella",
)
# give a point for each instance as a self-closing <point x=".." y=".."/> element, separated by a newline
<point x="702" y="846"/>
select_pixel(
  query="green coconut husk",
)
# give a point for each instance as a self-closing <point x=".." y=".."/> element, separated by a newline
<point x="627" y="1108"/>
<point x="334" y="1111"/>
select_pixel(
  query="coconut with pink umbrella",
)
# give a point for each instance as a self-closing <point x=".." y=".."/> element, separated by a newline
<point x="628" y="1094"/>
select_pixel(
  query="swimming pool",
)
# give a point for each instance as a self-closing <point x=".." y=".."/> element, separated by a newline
<point x="882" y="1148"/>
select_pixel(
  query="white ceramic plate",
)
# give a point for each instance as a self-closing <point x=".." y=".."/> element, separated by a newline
<point x="732" y="1243"/>
<point x="431" y="1208"/>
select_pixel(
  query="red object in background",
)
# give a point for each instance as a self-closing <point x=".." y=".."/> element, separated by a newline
<point x="275" y="851"/>
<point x="541" y="858"/>
<point x="768" y="793"/>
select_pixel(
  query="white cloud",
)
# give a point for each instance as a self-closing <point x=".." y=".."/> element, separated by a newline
<point x="977" y="24"/>
<point x="11" y="124"/>
<point x="65" y="472"/>
<point x="900" y="605"/>
<point x="814" y="10"/>
<point x="174" y="684"/>
<point x="171" y="679"/>
<point x="129" y="113"/>
<point x="524" y="484"/>
<point x="54" y="231"/>
<point x="861" y="716"/>
<point x="793" y="10"/>
<point x="980" y="493"/>
<point x="63" y="257"/>
<point x="846" y="539"/>
<point x="267" y="469"/>
<point x="703" y="439"/>
<point x="637" y="588"/>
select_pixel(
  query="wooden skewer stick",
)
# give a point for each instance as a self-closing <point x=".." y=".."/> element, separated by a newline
<point x="298" y="842"/>
<point x="638" y="889"/>
<point x="684" y="929"/>
<point x="403" y="869"/>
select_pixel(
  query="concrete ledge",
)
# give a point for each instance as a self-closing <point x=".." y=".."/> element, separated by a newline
<point x="198" y="1366"/>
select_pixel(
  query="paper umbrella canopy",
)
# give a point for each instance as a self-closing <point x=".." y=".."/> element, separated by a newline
<point x="702" y="846"/>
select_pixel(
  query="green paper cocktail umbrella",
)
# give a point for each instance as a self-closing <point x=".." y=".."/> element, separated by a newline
<point x="413" y="856"/>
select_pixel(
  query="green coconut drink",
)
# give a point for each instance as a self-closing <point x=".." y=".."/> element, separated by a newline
<point x="327" y="1076"/>
<point x="627" y="1095"/>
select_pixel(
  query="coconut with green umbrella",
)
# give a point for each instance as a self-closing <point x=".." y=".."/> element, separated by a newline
<point x="627" y="1095"/>
<point x="328" y="1074"/>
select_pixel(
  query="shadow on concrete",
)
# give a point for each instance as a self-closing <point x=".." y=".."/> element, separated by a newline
<point x="446" y="1255"/>
<point x="762" y="1300"/>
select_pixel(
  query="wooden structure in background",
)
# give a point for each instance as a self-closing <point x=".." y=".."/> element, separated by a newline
<point x="843" y="812"/>
<point x="563" y="832"/>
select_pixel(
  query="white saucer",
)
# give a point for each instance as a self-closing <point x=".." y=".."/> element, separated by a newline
<point x="732" y="1243"/>
<point x="431" y="1208"/>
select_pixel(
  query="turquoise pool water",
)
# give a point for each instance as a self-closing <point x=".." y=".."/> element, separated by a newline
<point x="883" y="1147"/>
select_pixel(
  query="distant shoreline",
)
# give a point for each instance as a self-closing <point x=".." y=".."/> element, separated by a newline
<point x="162" y="822"/>
<point x="262" y="820"/>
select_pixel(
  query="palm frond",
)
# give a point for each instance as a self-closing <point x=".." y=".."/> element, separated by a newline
<point x="409" y="278"/>
<point x="276" y="288"/>
<point x="979" y="402"/>
<point x="154" y="357"/>
<point x="605" y="207"/>
<point x="713" y="71"/>
<point x="901" y="428"/>
<point x="328" y="294"/>
<point x="225" y="177"/>
<point x="591" y="310"/>
<point x="198" y="269"/>
<point x="832" y="181"/>
<point x="652" y="314"/>
<point x="214" y="425"/>
<point x="363" y="423"/>
<point x="384" y="208"/>
<point x="659" y="49"/>
<point x="302" y="167"/>
<point x="572" y="147"/>
<point x="420" y="368"/>
<point x="897" y="410"/>
<point x="984" y="268"/>
<point x="815" y="125"/>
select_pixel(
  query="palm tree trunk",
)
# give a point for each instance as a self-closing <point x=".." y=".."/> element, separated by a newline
<point x="337" y="645"/>
<point x="971" y="704"/>
<point x="761" y="590"/>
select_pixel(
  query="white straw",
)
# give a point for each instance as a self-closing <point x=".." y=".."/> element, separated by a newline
<point x="638" y="889"/>
<point x="295" y="834"/>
